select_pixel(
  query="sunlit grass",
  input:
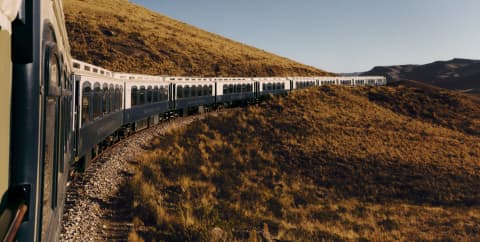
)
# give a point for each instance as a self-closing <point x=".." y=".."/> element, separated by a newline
<point x="326" y="163"/>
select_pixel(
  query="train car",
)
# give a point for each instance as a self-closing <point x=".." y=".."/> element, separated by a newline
<point x="8" y="206"/>
<point x="41" y="109"/>
<point x="192" y="93"/>
<point x="326" y="80"/>
<point x="272" y="85"/>
<point x="147" y="99"/>
<point x="303" y="82"/>
<point x="99" y="108"/>
<point x="345" y="81"/>
<point x="233" y="90"/>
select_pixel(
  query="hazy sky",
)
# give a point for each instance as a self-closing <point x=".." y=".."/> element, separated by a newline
<point x="340" y="35"/>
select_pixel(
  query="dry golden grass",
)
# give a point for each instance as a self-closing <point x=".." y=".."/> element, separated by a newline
<point x="328" y="163"/>
<point x="125" y="37"/>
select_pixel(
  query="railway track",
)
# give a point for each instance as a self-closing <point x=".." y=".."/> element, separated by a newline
<point x="98" y="204"/>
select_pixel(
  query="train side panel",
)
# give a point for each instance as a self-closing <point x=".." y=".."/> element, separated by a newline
<point x="100" y="106"/>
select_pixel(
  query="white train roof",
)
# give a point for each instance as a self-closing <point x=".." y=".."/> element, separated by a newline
<point x="81" y="67"/>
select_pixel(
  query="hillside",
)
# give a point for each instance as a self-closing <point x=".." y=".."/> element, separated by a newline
<point x="125" y="37"/>
<point x="330" y="163"/>
<point x="455" y="74"/>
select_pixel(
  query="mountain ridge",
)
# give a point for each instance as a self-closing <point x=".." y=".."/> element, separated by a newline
<point x="456" y="74"/>
<point x="125" y="37"/>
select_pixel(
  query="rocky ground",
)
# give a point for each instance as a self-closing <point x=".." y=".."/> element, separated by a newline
<point x="98" y="205"/>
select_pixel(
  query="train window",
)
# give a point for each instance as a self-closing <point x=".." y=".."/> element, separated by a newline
<point x="141" y="95"/>
<point x="156" y="94"/>
<point x="87" y="68"/>
<point x="199" y="91"/>
<point x="210" y="89"/>
<point x="106" y="99"/>
<point x="282" y="86"/>
<point x="134" y="95"/>
<point x="149" y="94"/>
<point x="95" y="70"/>
<point x="193" y="91"/>
<point x="86" y="100"/>
<point x="76" y="65"/>
<point x="120" y="98"/>
<point x="231" y="88"/>
<point x="97" y="100"/>
<point x="63" y="80"/>
<point x="225" y="89"/>
<point x="179" y="92"/>
<point x="111" y="96"/>
<point x="186" y="91"/>
<point x="163" y="93"/>
<point x="206" y="90"/>
<point x="269" y="86"/>
<point x="114" y="98"/>
<point x="196" y="90"/>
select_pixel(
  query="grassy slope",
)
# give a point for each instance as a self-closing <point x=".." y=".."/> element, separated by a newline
<point x="330" y="162"/>
<point x="125" y="37"/>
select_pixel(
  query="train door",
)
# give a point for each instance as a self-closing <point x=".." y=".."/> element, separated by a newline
<point x="215" y="94"/>
<point x="52" y="141"/>
<point x="172" y="96"/>
<point x="76" y="114"/>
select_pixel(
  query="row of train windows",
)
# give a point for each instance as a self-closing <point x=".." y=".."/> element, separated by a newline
<point x="99" y="101"/>
<point x="273" y="86"/>
<point x="194" y="91"/>
<point x="149" y="95"/>
<point x="237" y="88"/>
<point x="346" y="82"/>
<point x="305" y="84"/>
<point x="327" y="82"/>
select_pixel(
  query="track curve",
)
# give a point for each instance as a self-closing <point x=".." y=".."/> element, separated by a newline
<point x="98" y="207"/>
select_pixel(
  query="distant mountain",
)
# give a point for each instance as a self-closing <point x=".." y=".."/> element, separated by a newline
<point x="455" y="74"/>
<point x="349" y="74"/>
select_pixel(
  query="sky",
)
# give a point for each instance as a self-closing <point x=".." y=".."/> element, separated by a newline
<point x="340" y="35"/>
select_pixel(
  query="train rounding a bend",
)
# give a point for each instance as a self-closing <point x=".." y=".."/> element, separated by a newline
<point x="58" y="113"/>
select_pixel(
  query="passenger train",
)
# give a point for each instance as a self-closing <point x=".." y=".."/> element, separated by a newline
<point x="58" y="113"/>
